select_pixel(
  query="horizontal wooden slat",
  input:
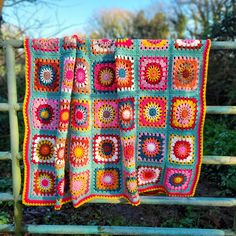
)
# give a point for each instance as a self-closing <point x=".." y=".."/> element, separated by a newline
<point x="6" y="106"/>
<point x="5" y="197"/>
<point x="12" y="42"/>
<point x="214" y="45"/>
<point x="123" y="230"/>
<point x="226" y="110"/>
<point x="5" y="156"/>
<point x="219" y="160"/>
<point x="7" y="228"/>
<point x="115" y="230"/>
<point x="223" y="45"/>
<point x="160" y="200"/>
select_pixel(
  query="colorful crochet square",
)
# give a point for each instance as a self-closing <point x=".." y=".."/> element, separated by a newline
<point x="151" y="147"/>
<point x="153" y="73"/>
<point x="43" y="149"/>
<point x="79" y="150"/>
<point x="112" y="119"/>
<point x="107" y="180"/>
<point x="79" y="184"/>
<point x="152" y="112"/>
<point x="69" y="42"/>
<point x="46" y="75"/>
<point x="184" y="113"/>
<point x="68" y="74"/>
<point x="104" y="77"/>
<point x="44" y="183"/>
<point x="181" y="149"/>
<point x="187" y="44"/>
<point x="185" y="73"/>
<point x="73" y="42"/>
<point x="125" y="43"/>
<point x="81" y="79"/>
<point x="64" y="115"/>
<point x="148" y="175"/>
<point x="177" y="180"/>
<point x="102" y="46"/>
<point x="126" y="113"/>
<point x="154" y="44"/>
<point x="60" y="153"/>
<point x="106" y="148"/>
<point x="80" y="115"/>
<point x="105" y="114"/>
<point x="44" y="113"/>
<point x="124" y="73"/>
<point x="128" y="151"/>
<point x="45" y="45"/>
<point x="131" y="185"/>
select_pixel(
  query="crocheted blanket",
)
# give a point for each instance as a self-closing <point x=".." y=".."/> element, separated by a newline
<point x="112" y="118"/>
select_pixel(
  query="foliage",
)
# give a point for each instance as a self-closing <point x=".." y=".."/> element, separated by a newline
<point x="218" y="135"/>
<point x="220" y="140"/>
<point x="201" y="14"/>
<point x="117" y="23"/>
<point x="179" y="24"/>
<point x="221" y="79"/>
<point x="155" y="27"/>
<point x="4" y="217"/>
<point x="111" y="23"/>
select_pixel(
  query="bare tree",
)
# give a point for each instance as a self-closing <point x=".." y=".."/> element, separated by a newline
<point x="32" y="23"/>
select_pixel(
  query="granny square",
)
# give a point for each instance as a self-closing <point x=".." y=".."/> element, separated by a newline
<point x="153" y="73"/>
<point x="177" y="179"/>
<point x="44" y="183"/>
<point x="43" y="149"/>
<point x="80" y="115"/>
<point x="152" y="112"/>
<point x="105" y="113"/>
<point x="104" y="77"/>
<point x="154" y="44"/>
<point x="151" y="147"/>
<point x="148" y="175"/>
<point x="44" y="113"/>
<point x="185" y="73"/>
<point x="184" y="113"/>
<point x="81" y="76"/>
<point x="46" y="75"/>
<point x="181" y="149"/>
<point x="124" y="73"/>
<point x="79" y="185"/>
<point x="102" y="46"/>
<point x="126" y="113"/>
<point x="106" y="148"/>
<point x="79" y="150"/>
<point x="107" y="180"/>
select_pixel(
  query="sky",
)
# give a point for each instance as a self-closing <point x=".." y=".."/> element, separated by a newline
<point x="73" y="15"/>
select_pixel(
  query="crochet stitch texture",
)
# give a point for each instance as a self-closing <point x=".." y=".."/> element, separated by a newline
<point x="112" y="118"/>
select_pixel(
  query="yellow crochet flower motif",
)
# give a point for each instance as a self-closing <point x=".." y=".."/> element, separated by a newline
<point x="154" y="43"/>
<point x="184" y="112"/>
<point x="152" y="112"/>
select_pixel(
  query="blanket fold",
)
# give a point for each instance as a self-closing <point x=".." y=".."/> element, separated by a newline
<point x="112" y="118"/>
